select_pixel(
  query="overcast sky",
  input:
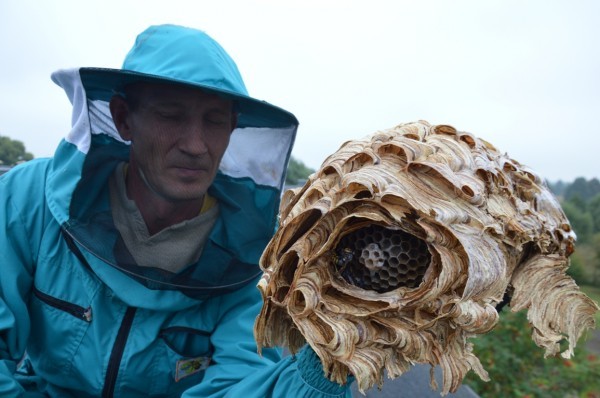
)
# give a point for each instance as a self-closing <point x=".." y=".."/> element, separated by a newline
<point x="524" y="75"/>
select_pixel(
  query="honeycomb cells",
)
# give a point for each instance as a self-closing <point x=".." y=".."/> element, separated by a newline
<point x="382" y="259"/>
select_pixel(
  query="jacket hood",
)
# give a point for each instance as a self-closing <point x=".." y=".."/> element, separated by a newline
<point x="184" y="56"/>
<point x="248" y="187"/>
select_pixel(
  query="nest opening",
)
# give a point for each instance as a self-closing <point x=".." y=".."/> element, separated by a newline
<point x="381" y="259"/>
<point x="305" y="222"/>
<point x="297" y="304"/>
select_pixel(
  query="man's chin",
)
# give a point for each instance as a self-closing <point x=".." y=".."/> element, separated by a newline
<point x="188" y="194"/>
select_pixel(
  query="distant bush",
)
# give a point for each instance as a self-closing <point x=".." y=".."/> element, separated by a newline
<point x="577" y="270"/>
<point x="585" y="189"/>
<point x="12" y="152"/>
<point x="297" y="172"/>
<point x="517" y="367"/>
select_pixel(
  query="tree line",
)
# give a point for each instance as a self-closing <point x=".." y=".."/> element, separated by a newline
<point x="12" y="152"/>
<point x="580" y="201"/>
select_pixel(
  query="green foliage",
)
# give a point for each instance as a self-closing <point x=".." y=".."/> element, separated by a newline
<point x="517" y="367"/>
<point x="577" y="201"/>
<point x="585" y="262"/>
<point x="586" y="190"/>
<point x="595" y="261"/>
<point x="12" y="151"/>
<point x="577" y="268"/>
<point x="558" y="188"/>
<point x="297" y="172"/>
<point x="580" y="220"/>
<point x="593" y="208"/>
<point x="581" y="204"/>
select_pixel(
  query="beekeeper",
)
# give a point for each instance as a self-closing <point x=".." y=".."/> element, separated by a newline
<point x="129" y="259"/>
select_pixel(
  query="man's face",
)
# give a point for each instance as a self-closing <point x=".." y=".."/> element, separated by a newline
<point x="178" y="136"/>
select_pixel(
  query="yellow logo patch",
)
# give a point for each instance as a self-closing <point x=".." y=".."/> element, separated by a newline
<point x="190" y="366"/>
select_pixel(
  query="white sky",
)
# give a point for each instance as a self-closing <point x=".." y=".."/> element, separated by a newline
<point x="524" y="75"/>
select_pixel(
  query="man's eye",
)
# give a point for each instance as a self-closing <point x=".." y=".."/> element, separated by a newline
<point x="171" y="115"/>
<point x="216" y="121"/>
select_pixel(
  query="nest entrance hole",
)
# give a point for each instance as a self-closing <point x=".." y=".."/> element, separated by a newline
<point x="382" y="259"/>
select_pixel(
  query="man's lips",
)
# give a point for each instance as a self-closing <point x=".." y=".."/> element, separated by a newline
<point x="190" y="171"/>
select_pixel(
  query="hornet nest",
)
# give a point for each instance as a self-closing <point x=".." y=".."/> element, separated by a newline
<point x="399" y="249"/>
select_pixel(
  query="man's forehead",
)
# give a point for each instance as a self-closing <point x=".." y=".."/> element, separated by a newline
<point x="164" y="92"/>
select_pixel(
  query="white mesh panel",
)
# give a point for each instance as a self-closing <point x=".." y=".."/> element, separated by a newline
<point x="70" y="81"/>
<point x="259" y="153"/>
<point x="101" y="120"/>
<point x="88" y="116"/>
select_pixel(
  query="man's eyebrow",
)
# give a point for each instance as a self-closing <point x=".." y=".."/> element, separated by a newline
<point x="166" y="103"/>
<point x="176" y="103"/>
<point x="223" y="111"/>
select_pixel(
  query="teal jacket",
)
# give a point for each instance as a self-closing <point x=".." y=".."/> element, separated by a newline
<point x="79" y="319"/>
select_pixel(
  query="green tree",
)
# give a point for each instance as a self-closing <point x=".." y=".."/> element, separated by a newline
<point x="576" y="268"/>
<point x="12" y="151"/>
<point x="517" y="367"/>
<point x="577" y="201"/>
<point x="580" y="220"/>
<point x="595" y="266"/>
<point x="558" y="188"/>
<point x="586" y="190"/>
<point x="594" y="210"/>
<point x="297" y="172"/>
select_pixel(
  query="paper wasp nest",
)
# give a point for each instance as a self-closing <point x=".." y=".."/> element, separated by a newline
<point x="399" y="248"/>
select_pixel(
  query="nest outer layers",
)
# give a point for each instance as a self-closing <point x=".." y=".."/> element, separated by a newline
<point x="485" y="225"/>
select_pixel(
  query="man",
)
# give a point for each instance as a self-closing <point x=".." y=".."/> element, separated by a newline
<point x="129" y="259"/>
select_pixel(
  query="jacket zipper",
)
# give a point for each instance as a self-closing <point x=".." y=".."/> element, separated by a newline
<point x="76" y="310"/>
<point x="116" y="354"/>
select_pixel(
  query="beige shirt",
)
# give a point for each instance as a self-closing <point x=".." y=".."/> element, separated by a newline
<point x="171" y="249"/>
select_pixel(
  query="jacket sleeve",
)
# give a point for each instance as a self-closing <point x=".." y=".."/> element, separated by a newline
<point x="16" y="276"/>
<point x="238" y="371"/>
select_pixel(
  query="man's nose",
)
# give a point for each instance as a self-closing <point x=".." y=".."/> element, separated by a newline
<point x="193" y="141"/>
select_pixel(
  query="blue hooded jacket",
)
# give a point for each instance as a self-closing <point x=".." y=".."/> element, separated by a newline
<point x="78" y="317"/>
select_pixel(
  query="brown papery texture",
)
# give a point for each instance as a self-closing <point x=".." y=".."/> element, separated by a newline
<point x="399" y="248"/>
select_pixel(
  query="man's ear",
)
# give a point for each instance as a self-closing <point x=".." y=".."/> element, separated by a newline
<point x="120" y="114"/>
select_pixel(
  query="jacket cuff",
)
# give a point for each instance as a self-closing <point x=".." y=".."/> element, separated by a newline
<point x="311" y="370"/>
